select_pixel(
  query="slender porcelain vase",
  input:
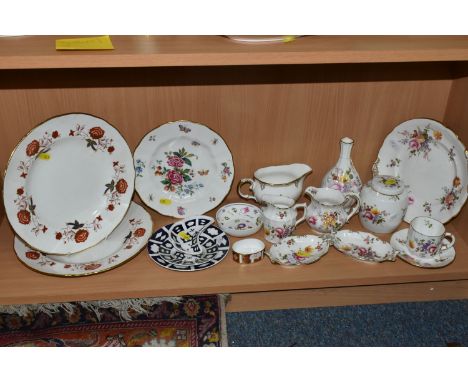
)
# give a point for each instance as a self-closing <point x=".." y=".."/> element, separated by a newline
<point x="343" y="176"/>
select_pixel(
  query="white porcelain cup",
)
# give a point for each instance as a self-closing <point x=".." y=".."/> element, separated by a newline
<point x="248" y="251"/>
<point x="425" y="237"/>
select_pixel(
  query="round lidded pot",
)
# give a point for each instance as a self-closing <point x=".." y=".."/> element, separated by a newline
<point x="384" y="201"/>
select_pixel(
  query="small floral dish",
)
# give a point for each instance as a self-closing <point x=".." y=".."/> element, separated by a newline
<point x="184" y="234"/>
<point x="363" y="246"/>
<point x="124" y="243"/>
<point x="239" y="219"/>
<point x="248" y="251"/>
<point x="298" y="250"/>
<point x="444" y="258"/>
<point x="213" y="241"/>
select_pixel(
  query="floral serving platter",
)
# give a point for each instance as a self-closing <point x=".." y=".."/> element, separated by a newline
<point x="214" y="243"/>
<point x="398" y="241"/>
<point x="298" y="250"/>
<point x="431" y="160"/>
<point x="183" y="169"/>
<point x="125" y="242"/>
<point x="68" y="184"/>
<point x="363" y="246"/>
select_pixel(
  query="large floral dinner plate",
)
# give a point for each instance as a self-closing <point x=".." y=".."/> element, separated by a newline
<point x="68" y="184"/>
<point x="432" y="162"/>
<point x="124" y="243"/>
<point x="214" y="242"/>
<point x="183" y="169"/>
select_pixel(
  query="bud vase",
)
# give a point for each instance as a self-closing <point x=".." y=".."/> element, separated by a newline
<point x="343" y="176"/>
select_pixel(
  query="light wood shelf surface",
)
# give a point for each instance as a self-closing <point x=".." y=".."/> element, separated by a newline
<point x="142" y="277"/>
<point x="38" y="52"/>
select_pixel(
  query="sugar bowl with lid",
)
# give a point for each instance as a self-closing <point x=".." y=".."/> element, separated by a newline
<point x="384" y="201"/>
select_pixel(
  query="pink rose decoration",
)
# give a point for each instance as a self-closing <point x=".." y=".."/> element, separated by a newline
<point x="432" y="249"/>
<point x="313" y="220"/>
<point x="174" y="177"/>
<point x="414" y="144"/>
<point x="410" y="200"/>
<point x="362" y="251"/>
<point x="368" y="215"/>
<point x="175" y="161"/>
<point x="280" y="232"/>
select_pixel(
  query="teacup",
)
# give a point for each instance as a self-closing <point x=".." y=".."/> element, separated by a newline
<point x="425" y="237"/>
<point x="248" y="251"/>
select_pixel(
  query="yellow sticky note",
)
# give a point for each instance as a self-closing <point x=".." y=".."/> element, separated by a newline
<point x="44" y="156"/>
<point x="84" y="43"/>
<point x="184" y="235"/>
<point x="166" y="202"/>
<point x="288" y="38"/>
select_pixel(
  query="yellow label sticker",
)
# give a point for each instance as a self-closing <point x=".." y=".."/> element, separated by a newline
<point x="84" y="43"/>
<point x="166" y="202"/>
<point x="288" y="38"/>
<point x="184" y="235"/>
<point x="44" y="156"/>
<point x="390" y="181"/>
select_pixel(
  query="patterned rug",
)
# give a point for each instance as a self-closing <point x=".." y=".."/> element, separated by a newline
<point x="189" y="321"/>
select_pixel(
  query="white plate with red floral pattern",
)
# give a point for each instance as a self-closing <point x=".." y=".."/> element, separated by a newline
<point x="125" y="242"/>
<point x="183" y="169"/>
<point x="432" y="162"/>
<point x="68" y="184"/>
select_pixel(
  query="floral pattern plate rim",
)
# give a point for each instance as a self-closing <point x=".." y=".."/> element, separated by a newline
<point x="432" y="162"/>
<point x="398" y="241"/>
<point x="183" y="168"/>
<point x="68" y="184"/>
<point x="363" y="246"/>
<point x="124" y="243"/>
<point x="162" y="251"/>
<point x="298" y="250"/>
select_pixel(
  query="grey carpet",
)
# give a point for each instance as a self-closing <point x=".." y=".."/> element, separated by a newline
<point x="439" y="323"/>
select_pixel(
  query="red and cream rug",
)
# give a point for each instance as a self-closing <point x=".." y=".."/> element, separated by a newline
<point x="174" y="321"/>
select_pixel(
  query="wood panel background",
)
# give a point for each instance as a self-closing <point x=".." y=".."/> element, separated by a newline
<point x="267" y="114"/>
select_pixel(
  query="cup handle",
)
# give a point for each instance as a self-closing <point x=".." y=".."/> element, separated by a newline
<point x="304" y="210"/>
<point x="240" y="184"/>
<point x="449" y="236"/>
<point x="357" y="204"/>
<point x="310" y="191"/>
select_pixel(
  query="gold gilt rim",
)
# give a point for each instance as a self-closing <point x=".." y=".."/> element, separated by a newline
<point x="144" y="243"/>
<point x="24" y="138"/>
<point x="143" y="199"/>
<point x="376" y="162"/>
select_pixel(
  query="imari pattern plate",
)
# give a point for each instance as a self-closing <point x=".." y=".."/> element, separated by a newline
<point x="124" y="243"/>
<point x="68" y="184"/>
<point x="432" y="162"/>
<point x="183" y="169"/>
<point x="214" y="242"/>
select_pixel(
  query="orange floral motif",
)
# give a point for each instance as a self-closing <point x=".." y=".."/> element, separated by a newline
<point x="32" y="255"/>
<point x="32" y="148"/>
<point x="96" y="132"/>
<point x="24" y="217"/>
<point x="139" y="232"/>
<point x="81" y="235"/>
<point x="121" y="186"/>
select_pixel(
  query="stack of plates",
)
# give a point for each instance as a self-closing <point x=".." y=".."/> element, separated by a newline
<point x="67" y="194"/>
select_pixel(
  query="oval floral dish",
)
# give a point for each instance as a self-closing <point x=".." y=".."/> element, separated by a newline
<point x="68" y="184"/>
<point x="431" y="160"/>
<point x="298" y="250"/>
<point x="183" y="169"/>
<point x="125" y="242"/>
<point x="363" y="246"/>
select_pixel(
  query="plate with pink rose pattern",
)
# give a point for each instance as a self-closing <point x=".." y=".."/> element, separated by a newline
<point x="432" y="163"/>
<point x="68" y="184"/>
<point x="124" y="243"/>
<point x="183" y="169"/>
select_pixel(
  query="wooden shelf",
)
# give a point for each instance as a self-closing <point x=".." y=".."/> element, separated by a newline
<point x="269" y="111"/>
<point x="141" y="277"/>
<point x="38" y="52"/>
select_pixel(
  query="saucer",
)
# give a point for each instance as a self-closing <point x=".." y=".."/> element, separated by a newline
<point x="398" y="241"/>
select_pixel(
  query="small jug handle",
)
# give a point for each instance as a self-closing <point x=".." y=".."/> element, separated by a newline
<point x="304" y="211"/>
<point x="353" y="211"/>
<point x="311" y="191"/>
<point x="241" y="183"/>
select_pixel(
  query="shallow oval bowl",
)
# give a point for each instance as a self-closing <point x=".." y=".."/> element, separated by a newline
<point x="363" y="246"/>
<point x="239" y="219"/>
<point x="298" y="250"/>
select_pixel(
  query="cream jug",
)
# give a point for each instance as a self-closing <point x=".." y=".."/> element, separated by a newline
<point x="330" y="209"/>
<point x="285" y="180"/>
<point x="280" y="217"/>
